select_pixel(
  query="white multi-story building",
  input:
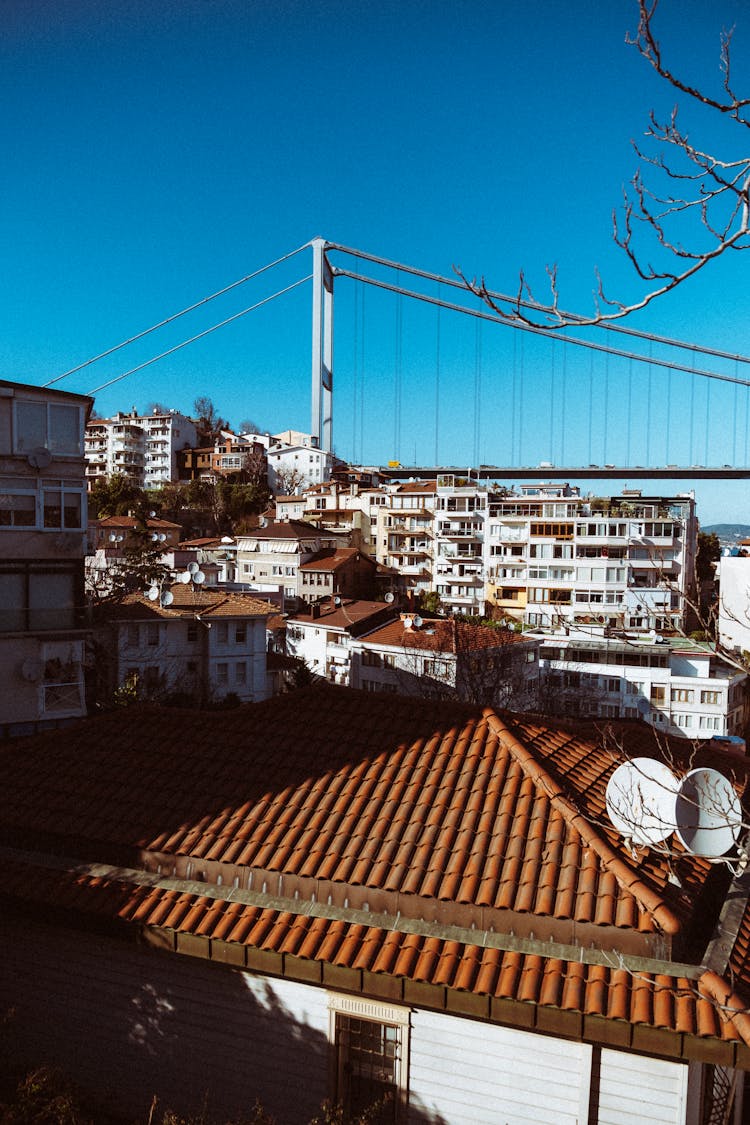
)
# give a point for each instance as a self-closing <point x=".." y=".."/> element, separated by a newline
<point x="459" y="536"/>
<point x="144" y="447"/>
<point x="292" y="468"/>
<point x="680" y="687"/>
<point x="553" y="556"/>
<point x="734" y="601"/>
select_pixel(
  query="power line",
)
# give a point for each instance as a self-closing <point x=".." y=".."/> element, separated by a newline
<point x="200" y="335"/>
<point x="175" y="316"/>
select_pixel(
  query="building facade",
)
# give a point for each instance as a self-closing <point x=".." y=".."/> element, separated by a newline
<point x="43" y="519"/>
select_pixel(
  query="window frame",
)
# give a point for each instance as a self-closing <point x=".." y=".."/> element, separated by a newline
<point x="379" y="1013"/>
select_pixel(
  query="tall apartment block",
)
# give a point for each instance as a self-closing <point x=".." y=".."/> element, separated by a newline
<point x="554" y="557"/>
<point x="144" y="447"/>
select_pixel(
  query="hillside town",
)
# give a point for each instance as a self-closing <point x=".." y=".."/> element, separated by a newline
<point x="328" y="751"/>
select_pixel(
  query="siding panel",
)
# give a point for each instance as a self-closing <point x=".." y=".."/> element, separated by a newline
<point x="133" y="1023"/>
<point x="660" y="1087"/>
<point x="508" y="1077"/>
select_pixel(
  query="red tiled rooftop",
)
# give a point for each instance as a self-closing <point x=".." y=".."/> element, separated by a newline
<point x="442" y="635"/>
<point x="434" y="813"/>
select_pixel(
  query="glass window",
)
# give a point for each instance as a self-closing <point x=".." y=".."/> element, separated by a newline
<point x="12" y="603"/>
<point x="31" y="425"/>
<point x="51" y="600"/>
<point x="368" y="1056"/>
<point x="18" y="510"/>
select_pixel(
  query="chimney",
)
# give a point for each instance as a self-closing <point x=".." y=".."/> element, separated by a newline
<point x="315" y="611"/>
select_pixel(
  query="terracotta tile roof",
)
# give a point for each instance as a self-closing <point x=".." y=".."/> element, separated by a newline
<point x="288" y="529"/>
<point x="443" y="635"/>
<point x="391" y="831"/>
<point x="131" y="522"/>
<point x="188" y="600"/>
<point x="345" y="615"/>
<point x="333" y="559"/>
<point x="417" y="486"/>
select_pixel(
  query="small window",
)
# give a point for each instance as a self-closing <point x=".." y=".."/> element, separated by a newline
<point x="132" y="637"/>
<point x="192" y="632"/>
<point x="371" y="1052"/>
<point x="152" y="633"/>
<point x="240" y="673"/>
<point x="222" y="673"/>
<point x="240" y="634"/>
<point x="222" y="632"/>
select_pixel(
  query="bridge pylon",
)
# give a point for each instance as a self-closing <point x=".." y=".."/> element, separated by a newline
<point x="321" y="423"/>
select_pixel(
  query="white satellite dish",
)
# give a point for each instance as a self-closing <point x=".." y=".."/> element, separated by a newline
<point x="193" y="568"/>
<point x="167" y="598"/>
<point x="154" y="537"/>
<point x="418" y="622"/>
<point x="641" y="798"/>
<point x="337" y="600"/>
<point x="227" y="539"/>
<point x="389" y="597"/>
<point x="112" y="537"/>
<point x="153" y="593"/>
<point x="709" y="814"/>
<point x="408" y="622"/>
<point x="162" y="536"/>
<point x="199" y="577"/>
<point x="184" y="577"/>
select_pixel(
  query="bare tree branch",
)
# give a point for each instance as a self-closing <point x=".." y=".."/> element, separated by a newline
<point x="708" y="216"/>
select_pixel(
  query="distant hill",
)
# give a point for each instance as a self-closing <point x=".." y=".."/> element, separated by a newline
<point x="729" y="532"/>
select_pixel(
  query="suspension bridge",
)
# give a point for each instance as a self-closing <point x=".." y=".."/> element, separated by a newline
<point x="427" y="376"/>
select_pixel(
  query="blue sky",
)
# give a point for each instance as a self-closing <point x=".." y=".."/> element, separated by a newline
<point x="154" y="153"/>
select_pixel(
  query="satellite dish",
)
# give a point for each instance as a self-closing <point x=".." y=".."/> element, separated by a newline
<point x="408" y="622"/>
<point x="193" y="568"/>
<point x="32" y="669"/>
<point x="389" y="597"/>
<point x="162" y="536"/>
<point x="227" y="539"/>
<point x="152" y="514"/>
<point x="154" y="537"/>
<point x="337" y="600"/>
<point x="199" y="577"/>
<point x="184" y="577"/>
<point x="39" y="458"/>
<point x="153" y="593"/>
<point x="112" y="537"/>
<point x="709" y="815"/>
<point x="641" y="798"/>
<point x="418" y="622"/>
<point x="167" y="598"/>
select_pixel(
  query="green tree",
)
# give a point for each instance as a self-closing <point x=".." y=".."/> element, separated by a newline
<point x="709" y="552"/>
<point x="115" y="495"/>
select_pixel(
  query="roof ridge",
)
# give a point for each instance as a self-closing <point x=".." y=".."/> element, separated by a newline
<point x="649" y="899"/>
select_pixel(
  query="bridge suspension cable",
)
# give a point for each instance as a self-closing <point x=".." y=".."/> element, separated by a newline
<point x="176" y="316"/>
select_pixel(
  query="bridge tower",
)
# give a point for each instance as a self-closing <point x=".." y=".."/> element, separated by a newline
<point x="321" y="424"/>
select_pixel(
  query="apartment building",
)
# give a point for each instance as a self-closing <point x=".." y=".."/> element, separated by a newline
<point x="201" y="645"/>
<point x="459" y="537"/>
<point x="439" y="658"/>
<point x="403" y="520"/>
<point x="324" y="635"/>
<point x="269" y="558"/>
<point x="553" y="556"/>
<point x="292" y="468"/>
<point x="680" y="687"/>
<point x="144" y="447"/>
<point x="42" y="546"/>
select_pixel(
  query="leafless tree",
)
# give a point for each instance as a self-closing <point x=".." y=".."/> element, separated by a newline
<point x="684" y="205"/>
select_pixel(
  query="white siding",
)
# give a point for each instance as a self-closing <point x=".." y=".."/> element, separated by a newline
<point x="658" y="1086"/>
<point x="472" y="1073"/>
<point x="134" y="1023"/>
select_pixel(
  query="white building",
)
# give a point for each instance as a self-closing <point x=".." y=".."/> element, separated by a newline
<point x="324" y="636"/>
<point x="734" y="602"/>
<point x="439" y="658"/>
<point x="292" y="468"/>
<point x="144" y="447"/>
<point x="680" y="687"/>
<point x="203" y="645"/>
<point x="460" y="531"/>
<point x="553" y="556"/>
